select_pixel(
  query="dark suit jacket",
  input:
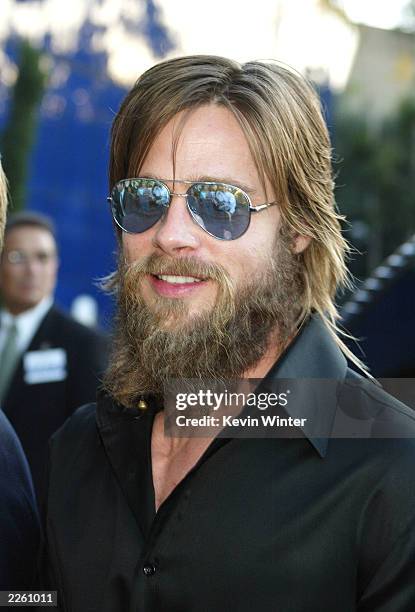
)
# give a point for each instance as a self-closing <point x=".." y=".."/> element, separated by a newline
<point x="37" y="410"/>
<point x="19" y="527"/>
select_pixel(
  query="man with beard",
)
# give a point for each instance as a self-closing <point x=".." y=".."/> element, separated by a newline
<point x="141" y="520"/>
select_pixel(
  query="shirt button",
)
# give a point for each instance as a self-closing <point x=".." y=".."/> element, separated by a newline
<point x="149" y="569"/>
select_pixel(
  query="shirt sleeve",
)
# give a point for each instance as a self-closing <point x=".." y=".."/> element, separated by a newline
<point x="19" y="525"/>
<point x="392" y="588"/>
<point x="387" y="539"/>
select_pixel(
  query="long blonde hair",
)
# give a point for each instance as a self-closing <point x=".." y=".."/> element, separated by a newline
<point x="3" y="203"/>
<point x="281" y="116"/>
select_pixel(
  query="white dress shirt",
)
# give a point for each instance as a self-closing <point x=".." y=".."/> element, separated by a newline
<point x="27" y="323"/>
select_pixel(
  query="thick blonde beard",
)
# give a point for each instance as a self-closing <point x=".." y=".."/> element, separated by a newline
<point x="219" y="344"/>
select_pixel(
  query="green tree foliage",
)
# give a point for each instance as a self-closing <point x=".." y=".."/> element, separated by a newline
<point x="19" y="134"/>
<point x="408" y="16"/>
<point x="335" y="7"/>
<point x="376" y="183"/>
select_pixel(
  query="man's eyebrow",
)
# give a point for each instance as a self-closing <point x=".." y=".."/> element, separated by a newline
<point x="205" y="179"/>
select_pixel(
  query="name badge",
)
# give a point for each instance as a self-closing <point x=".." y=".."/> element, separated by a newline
<point x="44" y="366"/>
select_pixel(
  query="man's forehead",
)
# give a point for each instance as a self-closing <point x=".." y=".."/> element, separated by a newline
<point x="28" y="230"/>
<point x="206" y="143"/>
<point x="27" y="236"/>
<point x="203" y="124"/>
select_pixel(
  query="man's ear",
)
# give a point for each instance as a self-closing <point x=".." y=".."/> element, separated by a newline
<point x="300" y="243"/>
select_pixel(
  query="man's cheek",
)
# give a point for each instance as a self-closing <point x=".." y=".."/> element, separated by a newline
<point x="133" y="247"/>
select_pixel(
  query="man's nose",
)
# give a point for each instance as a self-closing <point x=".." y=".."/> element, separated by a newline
<point x="30" y="264"/>
<point x="33" y="265"/>
<point x="177" y="231"/>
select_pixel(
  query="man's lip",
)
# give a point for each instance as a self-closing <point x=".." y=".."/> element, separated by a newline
<point x="202" y="278"/>
<point x="174" y="290"/>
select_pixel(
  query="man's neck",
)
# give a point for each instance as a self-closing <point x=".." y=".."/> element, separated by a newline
<point x="274" y="350"/>
<point x="18" y="311"/>
<point x="263" y="366"/>
<point x="172" y="457"/>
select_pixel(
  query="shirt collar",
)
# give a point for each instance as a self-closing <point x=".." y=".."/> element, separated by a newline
<point x="313" y="354"/>
<point x="28" y="321"/>
<point x="39" y="310"/>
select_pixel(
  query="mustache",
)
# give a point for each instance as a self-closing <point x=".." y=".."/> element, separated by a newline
<point x="179" y="266"/>
<point x="129" y="295"/>
<point x="164" y="264"/>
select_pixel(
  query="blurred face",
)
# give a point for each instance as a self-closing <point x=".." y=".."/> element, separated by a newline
<point x="28" y="268"/>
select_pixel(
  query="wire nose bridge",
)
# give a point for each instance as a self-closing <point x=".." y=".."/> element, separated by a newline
<point x="181" y="195"/>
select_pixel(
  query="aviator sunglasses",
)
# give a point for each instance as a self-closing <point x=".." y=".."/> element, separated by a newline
<point x="222" y="210"/>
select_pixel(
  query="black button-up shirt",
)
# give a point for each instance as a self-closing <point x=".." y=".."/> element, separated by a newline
<point x="308" y="524"/>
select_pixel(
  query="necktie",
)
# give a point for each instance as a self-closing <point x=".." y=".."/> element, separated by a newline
<point x="8" y="359"/>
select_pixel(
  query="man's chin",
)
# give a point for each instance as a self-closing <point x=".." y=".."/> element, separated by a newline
<point x="177" y="322"/>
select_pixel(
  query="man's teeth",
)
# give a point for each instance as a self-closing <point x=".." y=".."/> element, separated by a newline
<point x="178" y="279"/>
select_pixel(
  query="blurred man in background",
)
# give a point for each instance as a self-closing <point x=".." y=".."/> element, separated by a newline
<point x="49" y="363"/>
<point x="19" y="528"/>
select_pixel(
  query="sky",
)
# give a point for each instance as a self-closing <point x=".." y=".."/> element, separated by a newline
<point x="377" y="13"/>
<point x="297" y="32"/>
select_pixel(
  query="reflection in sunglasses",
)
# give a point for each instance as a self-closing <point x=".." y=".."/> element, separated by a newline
<point x="221" y="209"/>
<point x="199" y="220"/>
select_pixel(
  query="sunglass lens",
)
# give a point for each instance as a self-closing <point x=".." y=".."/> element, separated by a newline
<point x="137" y="204"/>
<point x="222" y="210"/>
